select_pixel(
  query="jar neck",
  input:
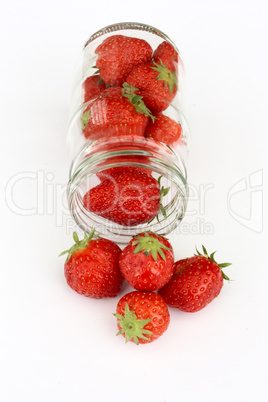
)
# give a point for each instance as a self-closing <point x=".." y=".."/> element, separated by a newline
<point x="159" y="159"/>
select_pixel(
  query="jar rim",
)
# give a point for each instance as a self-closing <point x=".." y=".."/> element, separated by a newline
<point x="130" y="25"/>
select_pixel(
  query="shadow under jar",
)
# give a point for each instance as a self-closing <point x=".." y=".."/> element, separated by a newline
<point x="128" y="136"/>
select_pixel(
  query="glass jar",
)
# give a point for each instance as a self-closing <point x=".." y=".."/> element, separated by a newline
<point x="128" y="135"/>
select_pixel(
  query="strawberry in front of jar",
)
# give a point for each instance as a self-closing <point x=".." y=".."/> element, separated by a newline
<point x="157" y="85"/>
<point x="147" y="262"/>
<point x="91" y="268"/>
<point x="195" y="283"/>
<point x="142" y="317"/>
<point x="164" y="129"/>
<point x="118" y="54"/>
<point x="128" y="197"/>
<point x="115" y="112"/>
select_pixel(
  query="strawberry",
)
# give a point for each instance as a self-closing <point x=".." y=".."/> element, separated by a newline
<point x="104" y="174"/>
<point x="93" y="86"/>
<point x="195" y="283"/>
<point x="164" y="129"/>
<point x="118" y="54"/>
<point x="125" y="162"/>
<point x="129" y="197"/>
<point x="91" y="267"/>
<point x="147" y="262"/>
<point x="157" y="85"/>
<point x="165" y="53"/>
<point x="142" y="317"/>
<point x="115" y="112"/>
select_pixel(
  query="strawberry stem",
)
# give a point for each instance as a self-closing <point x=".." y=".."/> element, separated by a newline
<point x="136" y="100"/>
<point x="169" y="77"/>
<point x="132" y="327"/>
<point x="211" y="258"/>
<point x="78" y="244"/>
<point x="149" y="244"/>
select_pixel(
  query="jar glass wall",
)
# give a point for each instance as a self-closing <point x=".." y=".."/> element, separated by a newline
<point x="128" y="136"/>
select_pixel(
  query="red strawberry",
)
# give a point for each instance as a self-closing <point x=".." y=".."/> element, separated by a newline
<point x="116" y="112"/>
<point x="195" y="283"/>
<point x="105" y="174"/>
<point x="93" y="86"/>
<point x="142" y="317"/>
<point x="118" y="54"/>
<point x="157" y="85"/>
<point x="124" y="159"/>
<point x="91" y="267"/>
<point x="166" y="54"/>
<point x="147" y="262"/>
<point x="129" y="197"/>
<point x="164" y="129"/>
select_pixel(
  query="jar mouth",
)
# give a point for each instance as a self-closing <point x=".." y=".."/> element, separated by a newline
<point x="129" y="26"/>
<point x="160" y="159"/>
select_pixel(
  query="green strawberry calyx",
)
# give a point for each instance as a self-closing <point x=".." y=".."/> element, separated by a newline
<point x="149" y="244"/>
<point x="163" y="191"/>
<point x="211" y="258"/>
<point x="85" y="119"/>
<point x="79" y="244"/>
<point x="97" y="72"/>
<point x="132" y="327"/>
<point x="169" y="77"/>
<point x="136" y="100"/>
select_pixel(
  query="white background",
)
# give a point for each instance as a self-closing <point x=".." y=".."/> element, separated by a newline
<point x="59" y="346"/>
